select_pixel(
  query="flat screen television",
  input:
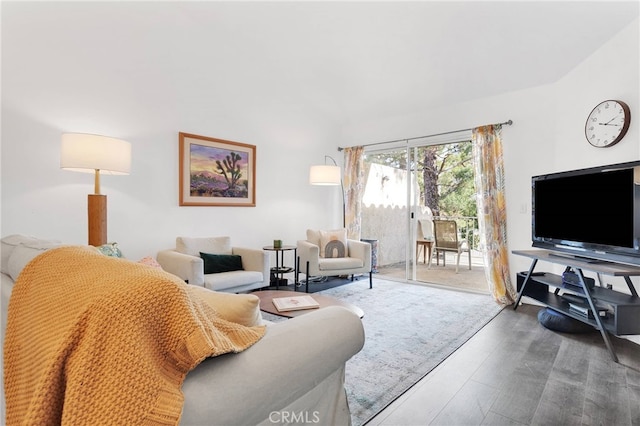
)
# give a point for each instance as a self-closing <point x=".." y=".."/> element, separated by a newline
<point x="591" y="213"/>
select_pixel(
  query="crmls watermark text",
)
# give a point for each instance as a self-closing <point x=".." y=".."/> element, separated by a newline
<point x="312" y="417"/>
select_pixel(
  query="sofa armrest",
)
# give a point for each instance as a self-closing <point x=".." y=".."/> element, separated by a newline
<point x="255" y="260"/>
<point x="308" y="252"/>
<point x="189" y="268"/>
<point x="360" y="250"/>
<point x="287" y="363"/>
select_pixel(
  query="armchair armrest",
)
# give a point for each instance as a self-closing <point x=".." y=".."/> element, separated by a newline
<point x="311" y="253"/>
<point x="360" y="250"/>
<point x="322" y="341"/>
<point x="189" y="268"/>
<point x="253" y="259"/>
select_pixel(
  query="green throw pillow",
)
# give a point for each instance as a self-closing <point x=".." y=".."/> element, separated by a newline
<point x="215" y="263"/>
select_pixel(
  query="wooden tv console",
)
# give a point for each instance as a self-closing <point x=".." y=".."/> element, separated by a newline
<point x="625" y="316"/>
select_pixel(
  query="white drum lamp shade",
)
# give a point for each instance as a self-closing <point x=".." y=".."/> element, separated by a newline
<point x="82" y="152"/>
<point x="96" y="154"/>
<point x="327" y="175"/>
<point x="324" y="175"/>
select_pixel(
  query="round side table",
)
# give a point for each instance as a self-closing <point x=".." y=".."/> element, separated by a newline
<point x="279" y="271"/>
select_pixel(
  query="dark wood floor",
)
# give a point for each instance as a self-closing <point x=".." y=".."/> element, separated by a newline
<point x="516" y="372"/>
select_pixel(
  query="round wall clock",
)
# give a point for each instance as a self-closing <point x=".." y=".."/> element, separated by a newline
<point x="608" y="123"/>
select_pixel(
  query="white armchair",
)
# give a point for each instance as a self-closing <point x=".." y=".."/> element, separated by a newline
<point x="186" y="262"/>
<point x="341" y="256"/>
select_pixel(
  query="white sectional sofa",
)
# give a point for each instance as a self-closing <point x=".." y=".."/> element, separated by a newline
<point x="293" y="375"/>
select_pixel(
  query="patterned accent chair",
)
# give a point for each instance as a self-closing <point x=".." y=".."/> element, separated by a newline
<point x="331" y="253"/>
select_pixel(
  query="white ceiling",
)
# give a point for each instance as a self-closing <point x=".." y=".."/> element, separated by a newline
<point x="344" y="61"/>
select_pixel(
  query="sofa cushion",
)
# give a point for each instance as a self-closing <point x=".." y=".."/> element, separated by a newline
<point x="313" y="236"/>
<point x="239" y="308"/>
<point x="150" y="261"/>
<point x="216" y="263"/>
<point x="193" y="246"/>
<point x="559" y="322"/>
<point x="18" y="250"/>
<point x="340" y="263"/>
<point x="333" y="243"/>
<point x="224" y="281"/>
<point x="110" y="249"/>
<point x="10" y="242"/>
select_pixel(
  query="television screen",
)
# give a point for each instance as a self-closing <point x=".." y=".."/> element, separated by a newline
<point x="591" y="210"/>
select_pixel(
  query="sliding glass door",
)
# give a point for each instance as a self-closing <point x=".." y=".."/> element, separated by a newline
<point x="407" y="189"/>
<point x="386" y="204"/>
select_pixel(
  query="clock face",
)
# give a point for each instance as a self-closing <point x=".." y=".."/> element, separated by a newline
<point x="607" y="124"/>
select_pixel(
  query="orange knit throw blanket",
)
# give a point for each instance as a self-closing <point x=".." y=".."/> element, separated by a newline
<point x="93" y="340"/>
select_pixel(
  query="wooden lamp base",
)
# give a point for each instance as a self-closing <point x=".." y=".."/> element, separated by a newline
<point x="97" y="219"/>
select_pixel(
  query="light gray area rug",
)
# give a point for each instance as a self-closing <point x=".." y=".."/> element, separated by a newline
<point x="409" y="330"/>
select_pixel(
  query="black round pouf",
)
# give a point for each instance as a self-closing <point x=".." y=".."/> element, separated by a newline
<point x="559" y="322"/>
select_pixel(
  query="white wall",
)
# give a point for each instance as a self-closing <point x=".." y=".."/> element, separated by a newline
<point x="40" y="199"/>
<point x="548" y="126"/>
<point x="526" y="143"/>
<point x="107" y="82"/>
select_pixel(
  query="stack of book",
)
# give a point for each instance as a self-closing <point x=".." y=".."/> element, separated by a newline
<point x="295" y="303"/>
<point x="584" y="310"/>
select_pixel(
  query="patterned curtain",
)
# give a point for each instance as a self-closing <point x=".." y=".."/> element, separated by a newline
<point x="492" y="211"/>
<point x="354" y="188"/>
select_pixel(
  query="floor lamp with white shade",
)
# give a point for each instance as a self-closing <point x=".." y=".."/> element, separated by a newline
<point x="96" y="154"/>
<point x="328" y="175"/>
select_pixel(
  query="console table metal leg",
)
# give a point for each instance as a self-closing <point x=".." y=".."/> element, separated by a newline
<point x="524" y="283"/>
<point x="607" y="340"/>
<point x="596" y="316"/>
<point x="632" y="289"/>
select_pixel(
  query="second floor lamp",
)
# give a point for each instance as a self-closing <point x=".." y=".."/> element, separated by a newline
<point x="329" y="175"/>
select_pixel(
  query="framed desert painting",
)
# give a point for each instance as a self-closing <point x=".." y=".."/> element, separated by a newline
<point x="216" y="172"/>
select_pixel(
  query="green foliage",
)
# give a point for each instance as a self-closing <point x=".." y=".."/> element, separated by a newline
<point x="444" y="174"/>
<point x="455" y="182"/>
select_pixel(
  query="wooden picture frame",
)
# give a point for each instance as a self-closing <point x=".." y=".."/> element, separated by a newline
<point x="216" y="172"/>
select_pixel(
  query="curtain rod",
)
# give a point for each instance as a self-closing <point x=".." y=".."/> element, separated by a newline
<point x="508" y="123"/>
